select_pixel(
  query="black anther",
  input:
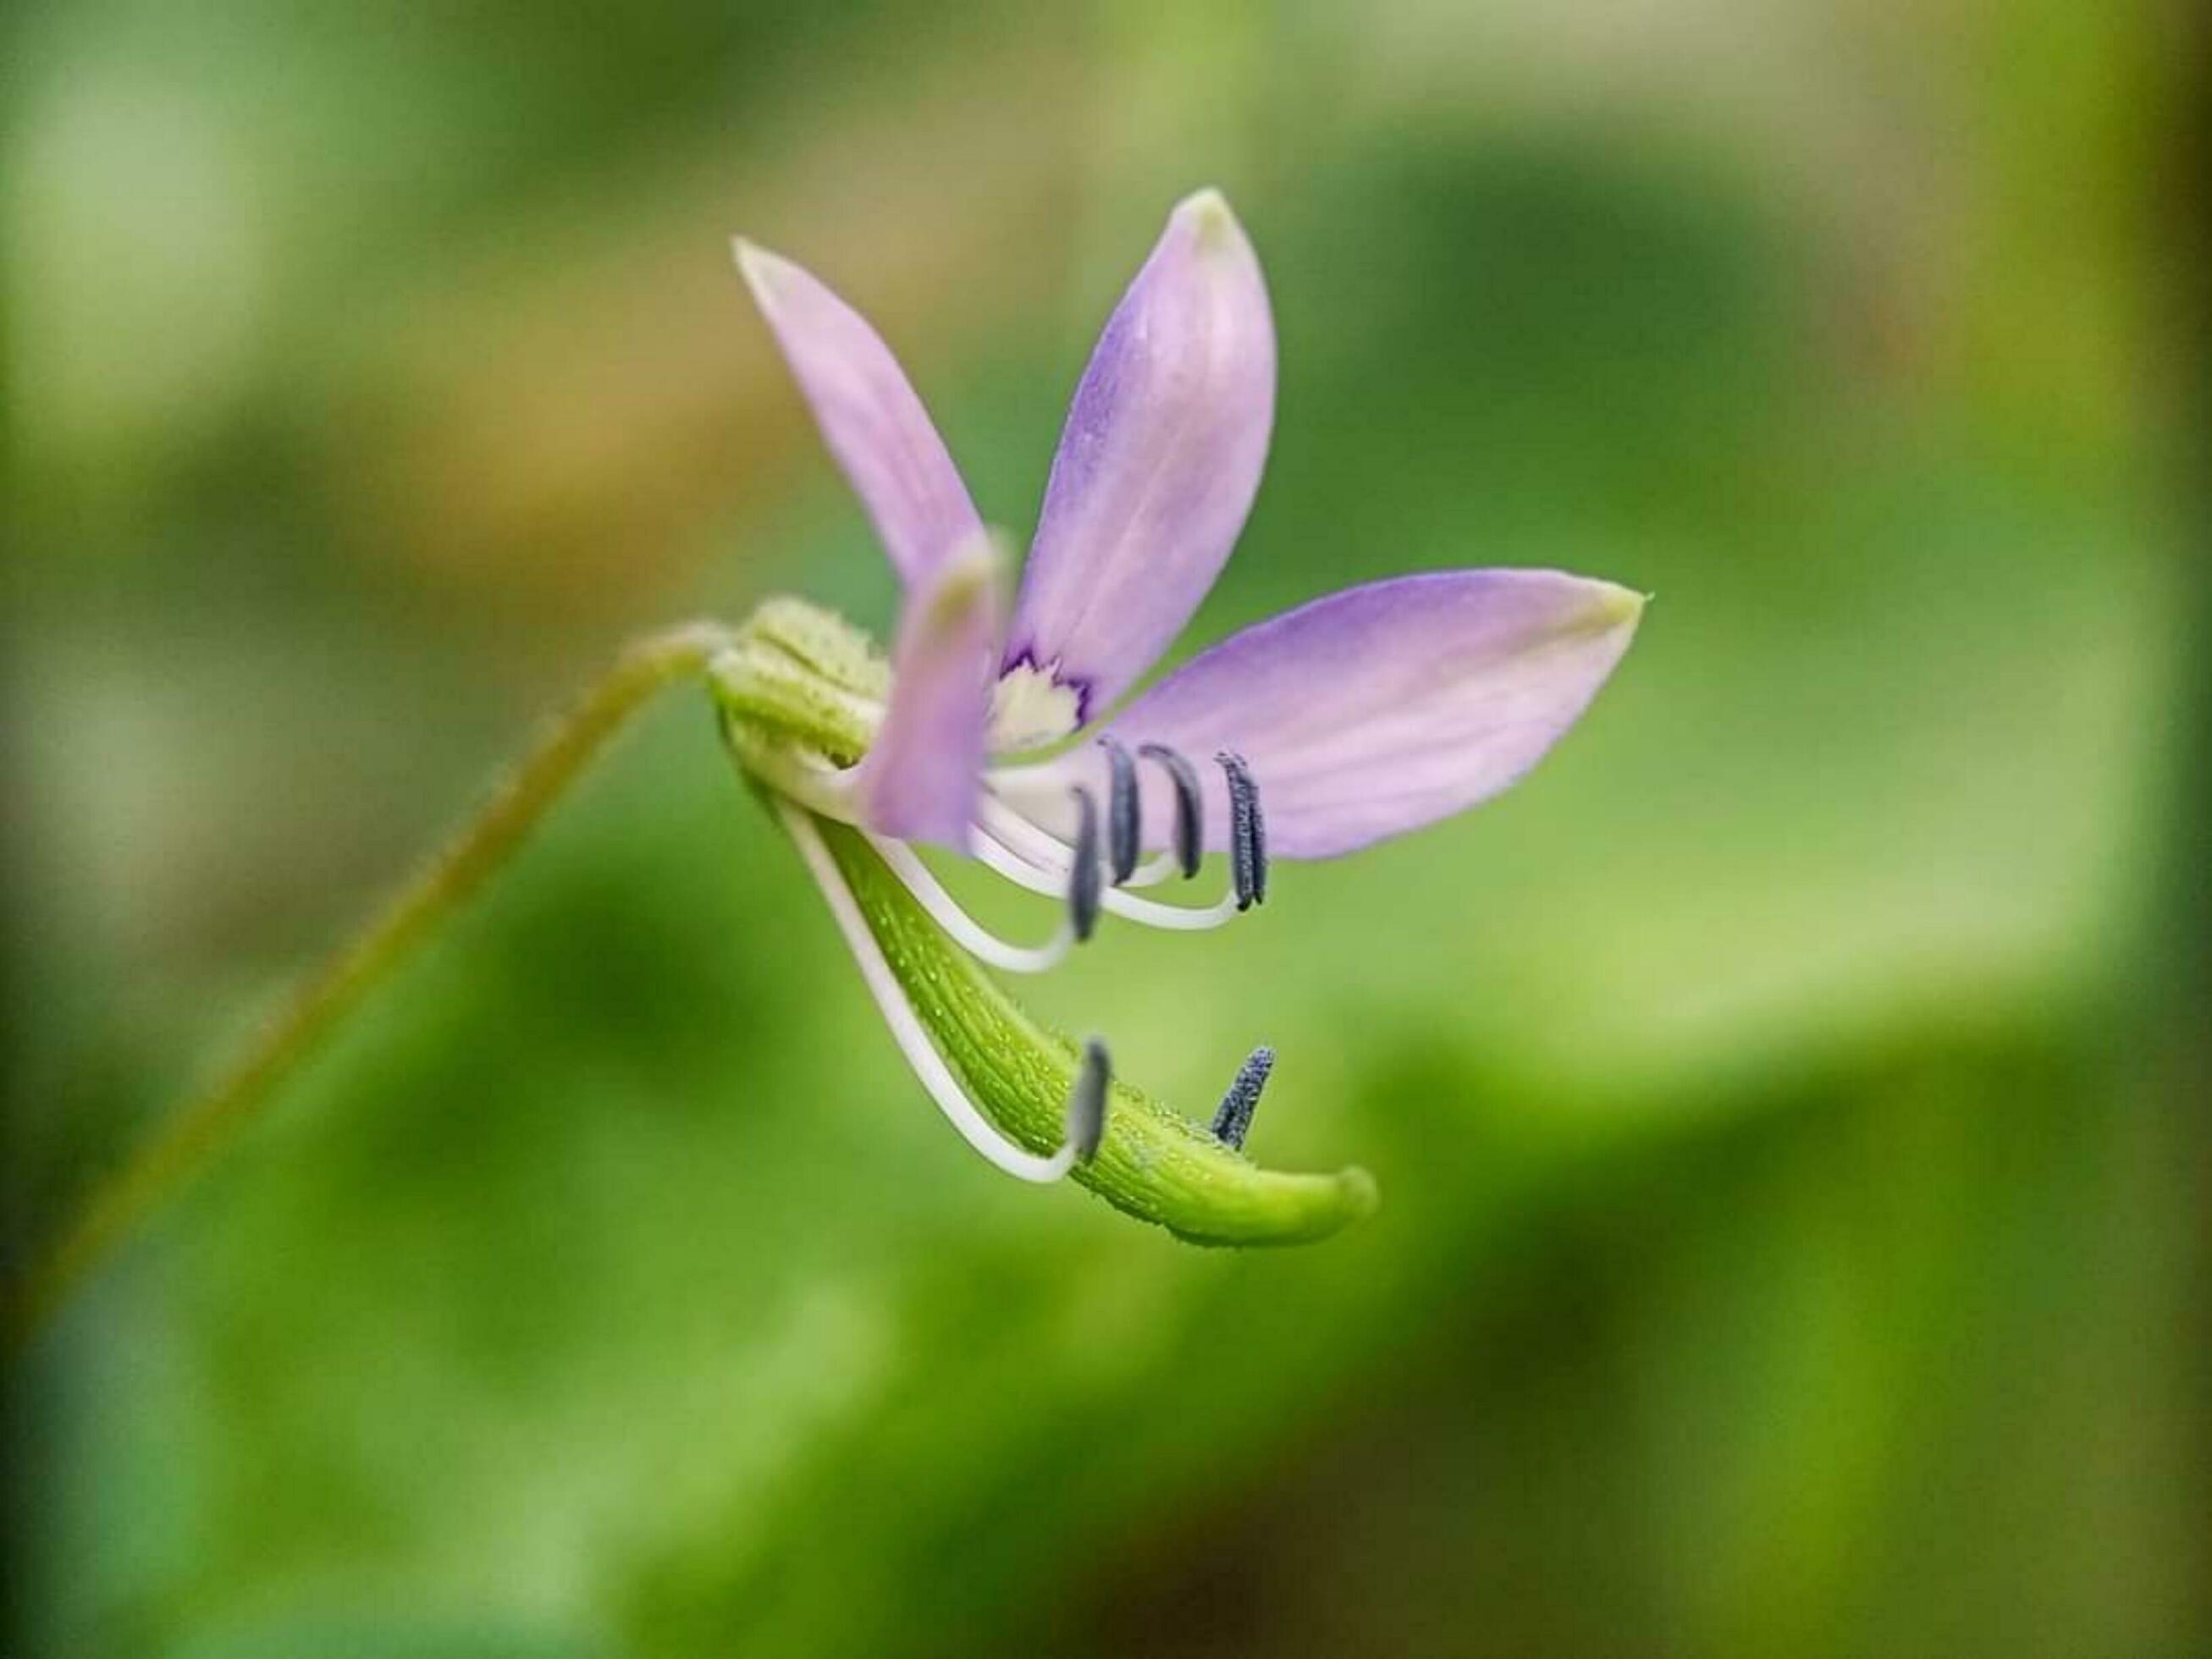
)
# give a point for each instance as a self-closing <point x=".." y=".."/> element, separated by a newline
<point x="1083" y="879"/>
<point x="1121" y="811"/>
<point x="1190" y="805"/>
<point x="1234" y="1120"/>
<point x="1087" y="1099"/>
<point x="1247" y="832"/>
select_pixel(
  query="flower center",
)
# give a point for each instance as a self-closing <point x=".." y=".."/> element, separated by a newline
<point x="1030" y="708"/>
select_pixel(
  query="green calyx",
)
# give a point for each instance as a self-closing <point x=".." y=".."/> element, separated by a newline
<point x="801" y="692"/>
<point x="799" y="683"/>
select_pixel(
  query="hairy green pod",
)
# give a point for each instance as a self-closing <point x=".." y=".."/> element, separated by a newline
<point x="1154" y="1163"/>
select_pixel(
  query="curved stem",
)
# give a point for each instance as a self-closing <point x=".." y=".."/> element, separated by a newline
<point x="1154" y="1164"/>
<point x="182" y="1146"/>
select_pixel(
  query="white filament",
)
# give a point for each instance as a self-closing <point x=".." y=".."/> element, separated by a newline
<point x="898" y="1013"/>
<point x="1153" y="871"/>
<point x="969" y="934"/>
<point x="1029" y="857"/>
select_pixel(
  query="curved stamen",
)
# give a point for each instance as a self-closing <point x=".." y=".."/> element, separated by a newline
<point x="929" y="1065"/>
<point x="1190" y="805"/>
<point x="1082" y="875"/>
<point x="1121" y="810"/>
<point x="1248" y="831"/>
<point x="1233" y="1121"/>
<point x="965" y="931"/>
<point x="1029" y="857"/>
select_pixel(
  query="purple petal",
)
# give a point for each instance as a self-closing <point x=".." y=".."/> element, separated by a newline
<point x="1382" y="709"/>
<point x="1158" y="462"/>
<point x="874" y="423"/>
<point x="918" y="780"/>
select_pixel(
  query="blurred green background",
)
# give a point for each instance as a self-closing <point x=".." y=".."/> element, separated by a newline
<point x="1790" y="1187"/>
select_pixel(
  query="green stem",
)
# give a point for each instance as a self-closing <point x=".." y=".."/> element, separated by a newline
<point x="1154" y="1163"/>
<point x="182" y="1145"/>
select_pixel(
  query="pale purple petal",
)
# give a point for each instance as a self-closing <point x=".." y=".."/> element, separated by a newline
<point x="1382" y="709"/>
<point x="1157" y="464"/>
<point x="872" y="421"/>
<point x="918" y="780"/>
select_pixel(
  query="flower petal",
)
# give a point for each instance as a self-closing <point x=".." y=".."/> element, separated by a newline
<point x="1157" y="463"/>
<point x="872" y="421"/>
<point x="918" y="780"/>
<point x="1383" y="707"/>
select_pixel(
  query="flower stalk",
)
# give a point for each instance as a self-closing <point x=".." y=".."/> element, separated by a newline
<point x="183" y="1142"/>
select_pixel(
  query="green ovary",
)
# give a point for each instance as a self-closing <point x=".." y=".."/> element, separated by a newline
<point x="1154" y="1164"/>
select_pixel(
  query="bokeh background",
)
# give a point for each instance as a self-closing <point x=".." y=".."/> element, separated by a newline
<point x="1783" y="1101"/>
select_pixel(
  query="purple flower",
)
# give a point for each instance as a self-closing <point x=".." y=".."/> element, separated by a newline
<point x="1008" y="733"/>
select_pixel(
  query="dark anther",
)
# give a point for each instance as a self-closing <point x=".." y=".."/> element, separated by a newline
<point x="1190" y="805"/>
<point x="1083" y="879"/>
<point x="1086" y="1101"/>
<point x="1247" y="832"/>
<point x="1121" y="811"/>
<point x="1234" y="1121"/>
